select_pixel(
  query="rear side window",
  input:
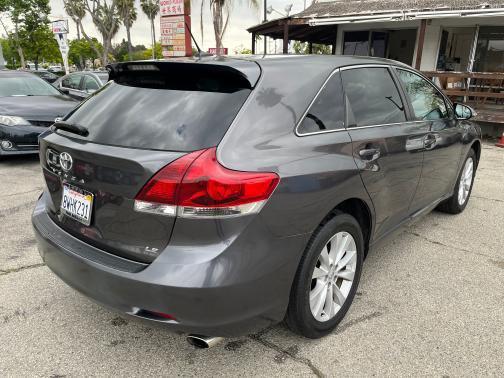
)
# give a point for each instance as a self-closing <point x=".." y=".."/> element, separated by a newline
<point x="373" y="96"/>
<point x="90" y="83"/>
<point x="157" y="111"/>
<point x="427" y="102"/>
<point x="327" y="111"/>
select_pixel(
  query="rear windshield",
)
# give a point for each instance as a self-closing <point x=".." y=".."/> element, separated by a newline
<point x="175" y="113"/>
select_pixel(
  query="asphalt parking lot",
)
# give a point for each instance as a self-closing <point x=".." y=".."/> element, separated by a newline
<point x="431" y="302"/>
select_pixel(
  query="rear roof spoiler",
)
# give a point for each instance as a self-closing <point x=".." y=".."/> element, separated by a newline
<point x="248" y="72"/>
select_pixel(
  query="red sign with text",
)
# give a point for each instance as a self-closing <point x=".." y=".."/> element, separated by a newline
<point x="213" y="50"/>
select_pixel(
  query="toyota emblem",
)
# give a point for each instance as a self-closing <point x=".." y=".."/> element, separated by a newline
<point x="65" y="161"/>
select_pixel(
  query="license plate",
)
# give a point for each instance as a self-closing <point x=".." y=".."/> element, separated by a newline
<point x="77" y="204"/>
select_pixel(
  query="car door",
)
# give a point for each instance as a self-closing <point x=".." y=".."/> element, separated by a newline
<point x="71" y="85"/>
<point x="387" y="144"/>
<point x="89" y="85"/>
<point x="442" y="138"/>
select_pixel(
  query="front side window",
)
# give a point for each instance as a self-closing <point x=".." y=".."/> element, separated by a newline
<point x="72" y="82"/>
<point x="373" y="96"/>
<point x="427" y="102"/>
<point x="327" y="111"/>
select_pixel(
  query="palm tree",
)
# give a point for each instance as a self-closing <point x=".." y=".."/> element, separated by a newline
<point x="107" y="20"/>
<point x="128" y="13"/>
<point x="151" y="9"/>
<point x="76" y="10"/>
<point x="221" y="10"/>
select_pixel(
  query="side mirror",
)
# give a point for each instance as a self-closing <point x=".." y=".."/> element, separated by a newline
<point x="464" y="112"/>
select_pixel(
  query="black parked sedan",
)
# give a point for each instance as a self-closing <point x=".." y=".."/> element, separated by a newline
<point x="218" y="196"/>
<point x="28" y="105"/>
<point x="46" y="75"/>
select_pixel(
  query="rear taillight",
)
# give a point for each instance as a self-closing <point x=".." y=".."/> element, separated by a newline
<point x="196" y="185"/>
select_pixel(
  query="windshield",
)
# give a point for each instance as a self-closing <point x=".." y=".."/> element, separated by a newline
<point x="26" y="85"/>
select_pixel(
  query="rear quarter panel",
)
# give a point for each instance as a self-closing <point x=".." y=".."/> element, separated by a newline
<point x="317" y="171"/>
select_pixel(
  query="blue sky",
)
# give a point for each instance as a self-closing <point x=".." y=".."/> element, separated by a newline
<point x="242" y="17"/>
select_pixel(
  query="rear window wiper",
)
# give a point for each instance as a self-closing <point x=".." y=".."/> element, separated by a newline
<point x="71" y="127"/>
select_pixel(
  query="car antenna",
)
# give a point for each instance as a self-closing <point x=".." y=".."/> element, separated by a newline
<point x="200" y="53"/>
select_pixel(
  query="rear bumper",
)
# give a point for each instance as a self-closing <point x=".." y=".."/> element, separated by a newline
<point x="201" y="296"/>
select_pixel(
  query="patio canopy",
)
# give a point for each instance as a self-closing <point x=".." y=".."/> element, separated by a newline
<point x="318" y="23"/>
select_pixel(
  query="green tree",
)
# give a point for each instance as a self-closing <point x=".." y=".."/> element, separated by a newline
<point x="147" y="53"/>
<point x="221" y="11"/>
<point x="27" y="17"/>
<point x="76" y="10"/>
<point x="40" y="45"/>
<point x="242" y="50"/>
<point x="128" y="13"/>
<point x="81" y="48"/>
<point x="10" y="54"/>
<point x="106" y="18"/>
<point x="151" y="9"/>
<point x="303" y="48"/>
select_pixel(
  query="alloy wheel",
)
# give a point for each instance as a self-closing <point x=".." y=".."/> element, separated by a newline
<point x="465" y="181"/>
<point x="333" y="276"/>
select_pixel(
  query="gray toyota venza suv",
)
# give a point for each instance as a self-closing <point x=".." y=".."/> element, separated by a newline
<point x="219" y="196"/>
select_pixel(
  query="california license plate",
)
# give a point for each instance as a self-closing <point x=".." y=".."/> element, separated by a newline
<point x="77" y="204"/>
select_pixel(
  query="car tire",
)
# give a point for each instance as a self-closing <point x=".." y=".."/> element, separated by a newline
<point x="344" y="233"/>
<point x="454" y="204"/>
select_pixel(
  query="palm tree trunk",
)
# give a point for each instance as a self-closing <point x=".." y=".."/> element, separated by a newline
<point x="152" y="38"/>
<point x="105" y="51"/>
<point x="217" y="22"/>
<point x="130" y="50"/>
<point x="81" y="61"/>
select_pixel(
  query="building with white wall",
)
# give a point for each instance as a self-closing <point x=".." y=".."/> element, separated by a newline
<point x="446" y="35"/>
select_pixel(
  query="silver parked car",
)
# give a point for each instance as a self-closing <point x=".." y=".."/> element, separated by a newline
<point x="79" y="85"/>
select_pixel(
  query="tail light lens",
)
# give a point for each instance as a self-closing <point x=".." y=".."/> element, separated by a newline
<point x="196" y="185"/>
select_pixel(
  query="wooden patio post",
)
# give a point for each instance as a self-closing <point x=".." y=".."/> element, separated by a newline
<point x="286" y="38"/>
<point x="421" y="39"/>
<point x="253" y="42"/>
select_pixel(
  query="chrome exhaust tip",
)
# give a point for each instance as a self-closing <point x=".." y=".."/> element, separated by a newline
<point x="203" y="342"/>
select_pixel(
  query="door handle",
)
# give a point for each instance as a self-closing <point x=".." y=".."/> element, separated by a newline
<point x="430" y="141"/>
<point x="369" y="154"/>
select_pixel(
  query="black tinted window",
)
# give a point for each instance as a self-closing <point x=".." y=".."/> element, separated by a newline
<point x="373" y="96"/>
<point x="427" y="102"/>
<point x="327" y="112"/>
<point x="161" y="119"/>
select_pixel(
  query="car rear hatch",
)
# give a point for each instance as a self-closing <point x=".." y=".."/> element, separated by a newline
<point x="146" y="117"/>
